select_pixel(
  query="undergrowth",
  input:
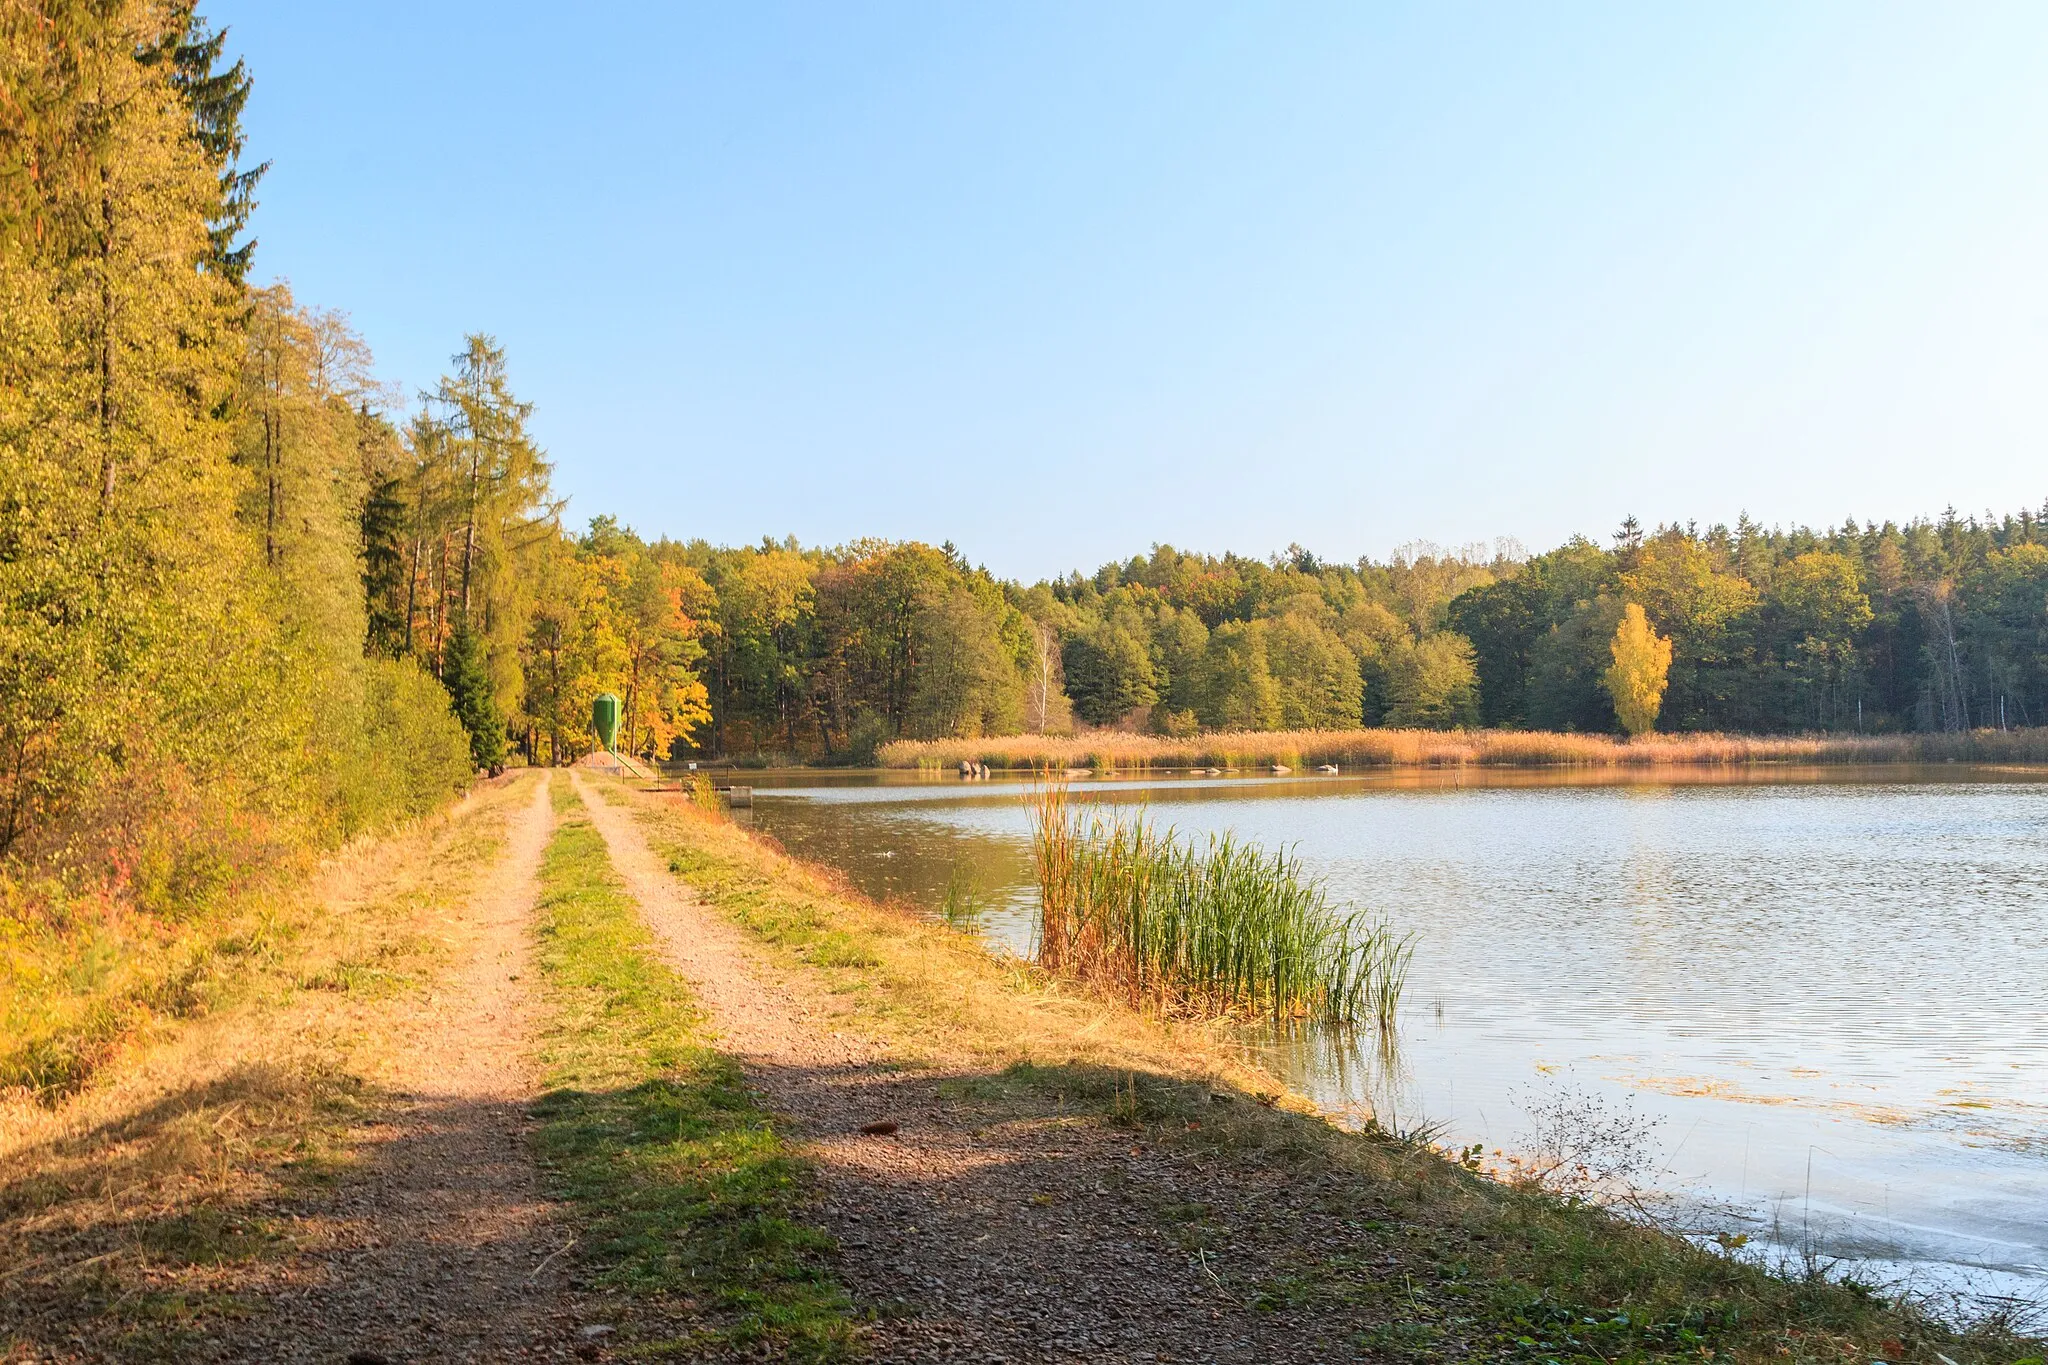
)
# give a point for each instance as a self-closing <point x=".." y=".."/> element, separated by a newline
<point x="683" y="1182"/>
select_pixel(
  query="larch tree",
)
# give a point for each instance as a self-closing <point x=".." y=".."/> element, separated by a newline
<point x="498" y="479"/>
<point x="126" y="626"/>
<point x="1641" y="667"/>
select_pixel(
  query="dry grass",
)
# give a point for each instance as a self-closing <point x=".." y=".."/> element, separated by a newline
<point x="144" y="1205"/>
<point x="1112" y="750"/>
<point x="937" y="994"/>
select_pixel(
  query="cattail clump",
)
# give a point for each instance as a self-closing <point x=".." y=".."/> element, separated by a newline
<point x="1221" y="927"/>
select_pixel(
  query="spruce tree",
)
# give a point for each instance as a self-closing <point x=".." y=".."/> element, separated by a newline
<point x="216" y="99"/>
<point x="383" y="531"/>
<point x="467" y="677"/>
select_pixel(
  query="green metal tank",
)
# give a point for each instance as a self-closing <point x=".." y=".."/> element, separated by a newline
<point x="604" y="718"/>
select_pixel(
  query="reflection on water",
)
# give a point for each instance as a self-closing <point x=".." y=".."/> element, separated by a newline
<point x="1830" y="986"/>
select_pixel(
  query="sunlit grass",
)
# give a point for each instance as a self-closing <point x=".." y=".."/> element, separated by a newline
<point x="1441" y="1264"/>
<point x="148" y="1202"/>
<point x="682" y="1181"/>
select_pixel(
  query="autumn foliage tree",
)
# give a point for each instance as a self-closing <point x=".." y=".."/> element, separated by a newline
<point x="1641" y="666"/>
<point x="180" y="611"/>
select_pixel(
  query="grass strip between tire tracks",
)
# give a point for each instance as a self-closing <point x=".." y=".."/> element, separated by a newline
<point x="685" y="1189"/>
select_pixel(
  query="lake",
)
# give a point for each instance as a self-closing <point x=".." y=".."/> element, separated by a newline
<point x="1826" y="989"/>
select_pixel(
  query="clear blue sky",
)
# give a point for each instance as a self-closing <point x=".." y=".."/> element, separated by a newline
<point x="1058" y="281"/>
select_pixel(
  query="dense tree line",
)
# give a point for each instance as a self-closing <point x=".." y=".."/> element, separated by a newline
<point x="185" y="464"/>
<point x="1931" y="625"/>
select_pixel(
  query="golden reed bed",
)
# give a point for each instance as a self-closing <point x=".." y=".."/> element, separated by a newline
<point x="1112" y="750"/>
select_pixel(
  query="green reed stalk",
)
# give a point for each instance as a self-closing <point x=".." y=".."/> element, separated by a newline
<point x="1223" y="928"/>
<point x="705" y="796"/>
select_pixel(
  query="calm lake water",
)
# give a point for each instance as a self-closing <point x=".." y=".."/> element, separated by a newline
<point x="1829" y="988"/>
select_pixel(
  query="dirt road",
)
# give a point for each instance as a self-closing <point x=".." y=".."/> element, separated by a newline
<point x="979" y="1229"/>
<point x="441" y="1249"/>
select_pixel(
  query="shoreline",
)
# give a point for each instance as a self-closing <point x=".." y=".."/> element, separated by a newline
<point x="1457" y="1074"/>
<point x="911" y="981"/>
<point x="686" y="1094"/>
<point x="1297" y="749"/>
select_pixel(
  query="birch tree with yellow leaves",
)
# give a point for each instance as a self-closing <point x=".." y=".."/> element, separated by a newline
<point x="1641" y="667"/>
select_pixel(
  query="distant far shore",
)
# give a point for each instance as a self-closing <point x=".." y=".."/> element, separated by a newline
<point x="1310" y="749"/>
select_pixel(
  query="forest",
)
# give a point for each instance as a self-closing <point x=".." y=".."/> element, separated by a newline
<point x="1930" y="625"/>
<point x="250" y="597"/>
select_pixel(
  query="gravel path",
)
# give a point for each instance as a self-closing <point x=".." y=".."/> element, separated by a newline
<point x="440" y="1249"/>
<point x="989" y="1227"/>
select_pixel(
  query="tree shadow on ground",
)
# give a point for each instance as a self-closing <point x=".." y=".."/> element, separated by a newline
<point x="242" y="1219"/>
<point x="1034" y="1213"/>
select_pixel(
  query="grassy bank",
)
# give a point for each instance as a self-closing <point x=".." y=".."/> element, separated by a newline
<point x="686" y="1190"/>
<point x="84" y="972"/>
<point x="1115" y="750"/>
<point x="200" y="902"/>
<point x="1428" y="1261"/>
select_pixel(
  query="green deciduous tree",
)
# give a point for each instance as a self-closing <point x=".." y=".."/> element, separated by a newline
<point x="1317" y="676"/>
<point x="2006" y="627"/>
<point x="1820" y="608"/>
<point x="181" y="617"/>
<point x="1234" y="680"/>
<point x="1565" y="666"/>
<point x="124" y="614"/>
<point x="1434" y="684"/>
<point x="969" y="681"/>
<point x="1109" y="668"/>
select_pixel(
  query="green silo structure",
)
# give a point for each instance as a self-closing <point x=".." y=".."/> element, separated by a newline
<point x="604" y="718"/>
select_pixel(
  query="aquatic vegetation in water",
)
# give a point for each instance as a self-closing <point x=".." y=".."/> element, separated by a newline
<point x="1220" y="927"/>
<point x="963" y="905"/>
